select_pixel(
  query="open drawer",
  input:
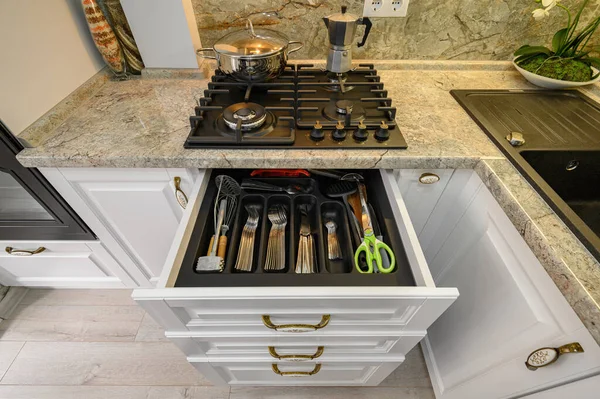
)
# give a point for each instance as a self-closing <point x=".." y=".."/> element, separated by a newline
<point x="282" y="303"/>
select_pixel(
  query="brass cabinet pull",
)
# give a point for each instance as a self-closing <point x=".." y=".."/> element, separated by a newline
<point x="182" y="199"/>
<point x="429" y="178"/>
<point x="24" y="252"/>
<point x="296" y="328"/>
<point x="317" y="354"/>
<point x="296" y="373"/>
<point x="546" y="356"/>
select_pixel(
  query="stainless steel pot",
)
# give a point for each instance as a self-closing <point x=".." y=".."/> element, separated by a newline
<point x="252" y="55"/>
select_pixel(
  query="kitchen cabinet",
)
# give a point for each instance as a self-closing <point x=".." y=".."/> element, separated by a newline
<point x="59" y="264"/>
<point x="508" y="307"/>
<point x="267" y="335"/>
<point x="134" y="212"/>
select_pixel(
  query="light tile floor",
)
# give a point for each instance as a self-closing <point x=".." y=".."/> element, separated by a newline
<point x="98" y="344"/>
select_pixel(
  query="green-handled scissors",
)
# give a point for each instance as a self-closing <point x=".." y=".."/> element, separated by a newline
<point x="371" y="246"/>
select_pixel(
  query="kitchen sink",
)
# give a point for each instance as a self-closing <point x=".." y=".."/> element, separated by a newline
<point x="575" y="177"/>
<point x="560" y="155"/>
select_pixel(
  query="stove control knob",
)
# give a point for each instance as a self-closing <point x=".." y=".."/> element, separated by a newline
<point x="339" y="133"/>
<point x="361" y="134"/>
<point x="317" y="133"/>
<point x="383" y="132"/>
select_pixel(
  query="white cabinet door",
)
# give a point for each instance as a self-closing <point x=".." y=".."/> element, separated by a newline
<point x="508" y="305"/>
<point x="421" y="198"/>
<point x="134" y="212"/>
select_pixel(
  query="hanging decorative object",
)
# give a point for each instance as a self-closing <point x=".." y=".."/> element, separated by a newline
<point x="104" y="37"/>
<point x="118" y="21"/>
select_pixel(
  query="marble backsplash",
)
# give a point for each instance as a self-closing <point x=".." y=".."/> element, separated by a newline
<point x="433" y="29"/>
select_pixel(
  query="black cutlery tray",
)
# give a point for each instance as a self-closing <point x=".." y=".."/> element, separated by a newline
<point x="328" y="272"/>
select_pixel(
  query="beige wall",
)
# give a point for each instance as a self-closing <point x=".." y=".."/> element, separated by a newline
<point x="46" y="52"/>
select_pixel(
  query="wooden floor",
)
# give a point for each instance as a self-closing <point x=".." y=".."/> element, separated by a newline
<point x="97" y="344"/>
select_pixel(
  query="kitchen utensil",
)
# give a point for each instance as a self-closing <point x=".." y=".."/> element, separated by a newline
<point x="245" y="255"/>
<point x="305" y="261"/>
<point x="212" y="262"/>
<point x="354" y="201"/>
<point x="342" y="28"/>
<point x="252" y="55"/>
<point x="276" y="246"/>
<point x="385" y="259"/>
<point x="253" y="185"/>
<point x="333" y="174"/>
<point x="230" y="189"/>
<point x="371" y="246"/>
<point x="342" y="189"/>
<point x="333" y="246"/>
<point x="293" y="173"/>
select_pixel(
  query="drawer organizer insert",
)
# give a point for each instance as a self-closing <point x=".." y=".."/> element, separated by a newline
<point x="321" y="208"/>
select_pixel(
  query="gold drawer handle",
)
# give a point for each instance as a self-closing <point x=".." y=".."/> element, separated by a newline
<point x="429" y="178"/>
<point x="296" y="328"/>
<point x="546" y="356"/>
<point x="317" y="354"/>
<point x="24" y="252"/>
<point x="296" y="373"/>
<point x="182" y="199"/>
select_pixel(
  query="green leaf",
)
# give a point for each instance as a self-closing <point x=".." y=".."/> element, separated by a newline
<point x="530" y="50"/>
<point x="522" y="58"/>
<point x="595" y="61"/>
<point x="559" y="39"/>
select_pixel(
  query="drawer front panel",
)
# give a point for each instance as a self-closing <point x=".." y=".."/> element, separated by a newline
<point x="50" y="247"/>
<point x="245" y="315"/>
<point x="307" y="374"/>
<point x="335" y="346"/>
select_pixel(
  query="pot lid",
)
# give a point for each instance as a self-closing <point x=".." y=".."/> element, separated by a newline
<point x="251" y="42"/>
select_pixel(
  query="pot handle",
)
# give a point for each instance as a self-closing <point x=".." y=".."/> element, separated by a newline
<point x="295" y="49"/>
<point x="201" y="50"/>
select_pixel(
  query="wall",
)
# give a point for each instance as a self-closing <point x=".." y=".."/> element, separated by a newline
<point x="433" y="29"/>
<point x="47" y="52"/>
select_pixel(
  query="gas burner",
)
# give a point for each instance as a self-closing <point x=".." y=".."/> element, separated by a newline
<point x="248" y="115"/>
<point x="338" y="82"/>
<point x="338" y="111"/>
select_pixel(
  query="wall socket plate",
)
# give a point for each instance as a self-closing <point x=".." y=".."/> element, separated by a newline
<point x="385" y="8"/>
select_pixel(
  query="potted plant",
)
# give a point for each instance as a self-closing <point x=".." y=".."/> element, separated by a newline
<point x="569" y="63"/>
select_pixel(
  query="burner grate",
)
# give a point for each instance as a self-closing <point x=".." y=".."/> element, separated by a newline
<point x="302" y="97"/>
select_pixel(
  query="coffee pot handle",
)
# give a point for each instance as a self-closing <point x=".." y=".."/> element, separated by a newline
<point x="368" y="24"/>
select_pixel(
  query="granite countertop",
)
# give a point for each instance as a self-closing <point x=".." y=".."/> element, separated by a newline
<point x="143" y="122"/>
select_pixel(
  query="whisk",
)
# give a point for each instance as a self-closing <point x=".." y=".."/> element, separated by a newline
<point x="224" y="211"/>
<point x="230" y="190"/>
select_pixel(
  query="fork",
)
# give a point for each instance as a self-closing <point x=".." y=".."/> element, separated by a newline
<point x="245" y="255"/>
<point x="276" y="247"/>
<point x="305" y="261"/>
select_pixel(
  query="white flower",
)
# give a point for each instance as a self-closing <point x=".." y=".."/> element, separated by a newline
<point x="549" y="4"/>
<point x="540" y="14"/>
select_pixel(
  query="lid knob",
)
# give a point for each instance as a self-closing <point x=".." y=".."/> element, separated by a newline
<point x="344" y="9"/>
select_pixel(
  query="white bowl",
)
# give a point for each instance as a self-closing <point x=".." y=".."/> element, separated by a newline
<point x="550" y="83"/>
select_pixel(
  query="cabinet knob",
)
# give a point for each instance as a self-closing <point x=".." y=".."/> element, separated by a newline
<point x="546" y="356"/>
<point x="24" y="252"/>
<point x="276" y="355"/>
<point x="182" y="199"/>
<point x="296" y="328"/>
<point x="314" y="371"/>
<point x="429" y="178"/>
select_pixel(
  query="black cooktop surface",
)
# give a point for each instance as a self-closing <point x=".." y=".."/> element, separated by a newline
<point x="305" y="107"/>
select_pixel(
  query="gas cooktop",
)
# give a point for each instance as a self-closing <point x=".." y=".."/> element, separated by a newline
<point x="305" y="107"/>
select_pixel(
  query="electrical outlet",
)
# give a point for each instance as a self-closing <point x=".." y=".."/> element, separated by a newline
<point x="385" y="8"/>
